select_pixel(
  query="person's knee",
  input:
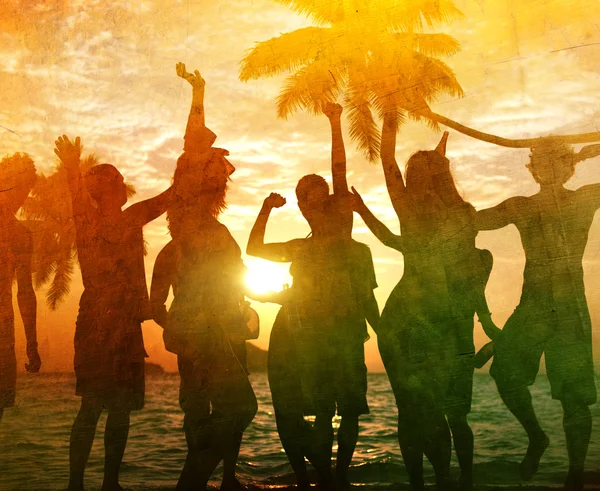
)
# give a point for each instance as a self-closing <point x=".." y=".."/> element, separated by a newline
<point x="457" y="420"/>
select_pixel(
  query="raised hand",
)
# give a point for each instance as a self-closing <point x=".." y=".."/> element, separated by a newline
<point x="274" y="200"/>
<point x="67" y="151"/>
<point x="332" y="110"/>
<point x="356" y="200"/>
<point x="194" y="80"/>
<point x="35" y="361"/>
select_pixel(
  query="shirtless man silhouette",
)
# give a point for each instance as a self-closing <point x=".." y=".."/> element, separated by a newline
<point x="109" y="348"/>
<point x="552" y="316"/>
<point x="17" y="176"/>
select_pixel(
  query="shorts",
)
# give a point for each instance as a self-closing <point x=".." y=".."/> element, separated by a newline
<point x="314" y="371"/>
<point x="216" y="385"/>
<point x="563" y="334"/>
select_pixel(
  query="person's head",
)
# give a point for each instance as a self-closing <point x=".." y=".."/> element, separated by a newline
<point x="552" y="162"/>
<point x="106" y="185"/>
<point x="200" y="185"/>
<point x="312" y="192"/>
<point x="17" y="177"/>
<point x="429" y="181"/>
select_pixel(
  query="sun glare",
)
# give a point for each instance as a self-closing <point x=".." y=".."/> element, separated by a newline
<point x="265" y="276"/>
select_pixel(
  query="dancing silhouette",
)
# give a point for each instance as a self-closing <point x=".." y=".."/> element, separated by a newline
<point x="316" y="351"/>
<point x="109" y="348"/>
<point x="425" y="335"/>
<point x="205" y="326"/>
<point x="17" y="176"/>
<point x="552" y="316"/>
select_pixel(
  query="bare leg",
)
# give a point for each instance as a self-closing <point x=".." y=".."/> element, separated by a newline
<point x="438" y="447"/>
<point x="230" y="458"/>
<point x="577" y="423"/>
<point x="412" y="451"/>
<point x="347" y="438"/>
<point x="82" y="438"/>
<point x="518" y="401"/>
<point x="115" y="441"/>
<point x="323" y="443"/>
<point x="294" y="433"/>
<point x="463" y="443"/>
<point x="189" y="475"/>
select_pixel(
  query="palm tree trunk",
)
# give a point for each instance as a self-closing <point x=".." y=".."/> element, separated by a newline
<point x="509" y="142"/>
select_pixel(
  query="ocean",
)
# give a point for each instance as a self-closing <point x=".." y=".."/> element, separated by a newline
<point x="34" y="439"/>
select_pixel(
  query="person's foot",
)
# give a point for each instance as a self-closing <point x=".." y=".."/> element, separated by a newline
<point x="75" y="487"/>
<point x="531" y="461"/>
<point x="232" y="485"/>
<point x="112" y="487"/>
<point x="465" y="483"/>
<point x="574" y="480"/>
<point x="343" y="483"/>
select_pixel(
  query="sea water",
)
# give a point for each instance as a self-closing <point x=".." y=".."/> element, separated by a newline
<point x="34" y="438"/>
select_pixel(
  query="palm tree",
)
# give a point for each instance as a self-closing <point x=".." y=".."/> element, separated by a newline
<point x="48" y="214"/>
<point x="372" y="52"/>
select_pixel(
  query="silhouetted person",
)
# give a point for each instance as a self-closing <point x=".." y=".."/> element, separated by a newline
<point x="109" y="348"/>
<point x="552" y="316"/>
<point x="204" y="325"/>
<point x="316" y="352"/>
<point x="17" y="176"/>
<point x="425" y="335"/>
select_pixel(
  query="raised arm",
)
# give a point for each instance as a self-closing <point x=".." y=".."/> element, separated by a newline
<point x="498" y="216"/>
<point x="161" y="284"/>
<point x="145" y="211"/>
<point x="338" y="152"/>
<point x="282" y="252"/>
<point x="69" y="154"/>
<point x="393" y="177"/>
<point x="27" y="300"/>
<point x="482" y="268"/>
<point x="378" y="229"/>
<point x="198" y="138"/>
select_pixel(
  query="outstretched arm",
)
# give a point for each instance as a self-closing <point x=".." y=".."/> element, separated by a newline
<point x="378" y="229"/>
<point x="500" y="215"/>
<point x="198" y="138"/>
<point x="161" y="283"/>
<point x="280" y="252"/>
<point x="391" y="171"/>
<point x="27" y="302"/>
<point x="145" y="211"/>
<point x="338" y="152"/>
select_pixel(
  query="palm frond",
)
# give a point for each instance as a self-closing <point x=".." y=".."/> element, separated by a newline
<point x="322" y="12"/>
<point x="363" y="128"/>
<point x="309" y="88"/>
<point x="287" y="52"/>
<point x="427" y="44"/>
<point x="130" y="188"/>
<point x="414" y="15"/>
<point x="60" y="286"/>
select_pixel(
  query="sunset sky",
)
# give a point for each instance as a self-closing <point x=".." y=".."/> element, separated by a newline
<point x="105" y="70"/>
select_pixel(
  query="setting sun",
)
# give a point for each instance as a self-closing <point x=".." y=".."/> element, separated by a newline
<point x="264" y="276"/>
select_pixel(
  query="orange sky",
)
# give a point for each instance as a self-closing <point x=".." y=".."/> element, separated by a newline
<point x="104" y="70"/>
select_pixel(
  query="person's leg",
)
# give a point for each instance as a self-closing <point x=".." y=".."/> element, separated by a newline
<point x="323" y="445"/>
<point x="518" y="351"/>
<point x="82" y="438"/>
<point x="519" y="403"/>
<point x="577" y="423"/>
<point x="463" y="444"/>
<point x="294" y="433"/>
<point x="437" y="445"/>
<point x="411" y="449"/>
<point x="347" y="438"/>
<point x="115" y="441"/>
<point x="230" y="457"/>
